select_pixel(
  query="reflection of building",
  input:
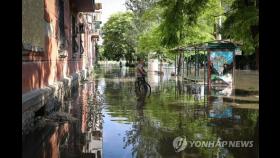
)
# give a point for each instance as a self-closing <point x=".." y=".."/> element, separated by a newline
<point x="93" y="144"/>
<point x="92" y="132"/>
<point x="196" y="90"/>
<point x="219" y="112"/>
<point x="86" y="134"/>
<point x="93" y="141"/>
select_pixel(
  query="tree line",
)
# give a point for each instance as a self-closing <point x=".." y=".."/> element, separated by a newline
<point x="160" y="25"/>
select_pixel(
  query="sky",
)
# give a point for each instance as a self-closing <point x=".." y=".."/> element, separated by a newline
<point x="110" y="7"/>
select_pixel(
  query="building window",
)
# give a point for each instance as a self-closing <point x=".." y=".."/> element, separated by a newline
<point x="62" y="39"/>
<point x="81" y="28"/>
<point x="77" y="30"/>
<point x="81" y="24"/>
<point x="75" y="46"/>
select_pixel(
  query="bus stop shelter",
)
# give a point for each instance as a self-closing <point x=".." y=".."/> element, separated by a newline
<point x="212" y="63"/>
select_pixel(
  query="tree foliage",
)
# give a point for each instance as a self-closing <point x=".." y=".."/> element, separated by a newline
<point x="177" y="15"/>
<point x="139" y="6"/>
<point x="119" y="38"/>
<point x="149" y="37"/>
<point x="242" y="24"/>
<point x="160" y="25"/>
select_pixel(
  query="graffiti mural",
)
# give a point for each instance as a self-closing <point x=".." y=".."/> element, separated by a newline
<point x="221" y="66"/>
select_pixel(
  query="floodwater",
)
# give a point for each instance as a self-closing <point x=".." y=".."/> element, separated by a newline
<point x="117" y="124"/>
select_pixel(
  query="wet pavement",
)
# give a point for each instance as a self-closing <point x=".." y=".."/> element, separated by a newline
<point x="115" y="123"/>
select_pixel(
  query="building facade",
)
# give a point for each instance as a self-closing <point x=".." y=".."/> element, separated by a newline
<point x="59" y="41"/>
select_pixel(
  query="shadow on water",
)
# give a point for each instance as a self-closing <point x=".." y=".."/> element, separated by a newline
<point x="125" y="125"/>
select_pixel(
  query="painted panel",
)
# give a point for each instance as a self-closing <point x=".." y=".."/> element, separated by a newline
<point x="221" y="66"/>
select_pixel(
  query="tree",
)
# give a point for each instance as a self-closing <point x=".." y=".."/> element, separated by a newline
<point x="100" y="55"/>
<point x="242" y="25"/>
<point x="139" y="6"/>
<point x="119" y="38"/>
<point x="143" y="22"/>
<point x="149" y="37"/>
<point x="186" y="22"/>
<point x="177" y="15"/>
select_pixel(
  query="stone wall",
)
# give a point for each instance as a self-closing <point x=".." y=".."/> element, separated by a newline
<point x="48" y="100"/>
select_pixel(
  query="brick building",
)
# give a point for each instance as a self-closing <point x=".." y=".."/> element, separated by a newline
<point x="59" y="39"/>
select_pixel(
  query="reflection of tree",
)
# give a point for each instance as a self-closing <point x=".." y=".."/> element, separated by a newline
<point x="154" y="140"/>
<point x="153" y="133"/>
<point x="241" y="126"/>
<point x="166" y="117"/>
<point x="143" y="137"/>
<point x="179" y="86"/>
<point x="246" y="131"/>
<point x="155" y="126"/>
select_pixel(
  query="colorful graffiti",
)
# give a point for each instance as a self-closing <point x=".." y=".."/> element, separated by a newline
<point x="221" y="66"/>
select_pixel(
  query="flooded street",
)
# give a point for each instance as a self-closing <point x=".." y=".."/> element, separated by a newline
<point x="115" y="123"/>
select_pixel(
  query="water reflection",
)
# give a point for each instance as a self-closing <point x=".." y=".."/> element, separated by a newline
<point x="127" y="126"/>
<point x="176" y="109"/>
<point x="80" y="138"/>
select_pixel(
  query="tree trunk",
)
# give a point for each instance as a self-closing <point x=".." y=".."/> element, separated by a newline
<point x="180" y="63"/>
<point x="255" y="31"/>
<point x="161" y="67"/>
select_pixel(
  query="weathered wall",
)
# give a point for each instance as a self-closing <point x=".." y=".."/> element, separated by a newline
<point x="47" y="78"/>
<point x="33" y="22"/>
<point x="45" y="68"/>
